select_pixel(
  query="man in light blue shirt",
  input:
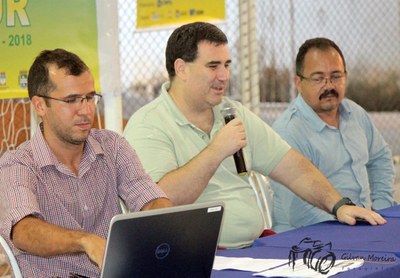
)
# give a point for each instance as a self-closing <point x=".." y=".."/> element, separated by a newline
<point x="335" y="134"/>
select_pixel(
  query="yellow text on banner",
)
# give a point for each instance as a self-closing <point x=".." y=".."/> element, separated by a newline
<point x="166" y="13"/>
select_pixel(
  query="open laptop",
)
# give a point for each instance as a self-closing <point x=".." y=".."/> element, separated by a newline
<point x="173" y="242"/>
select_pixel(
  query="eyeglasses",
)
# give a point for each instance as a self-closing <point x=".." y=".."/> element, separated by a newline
<point x="77" y="101"/>
<point x="319" y="80"/>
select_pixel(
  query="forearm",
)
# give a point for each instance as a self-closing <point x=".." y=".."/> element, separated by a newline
<point x="43" y="239"/>
<point x="185" y="184"/>
<point x="306" y="181"/>
<point x="381" y="202"/>
<point x="157" y="203"/>
<point x="381" y="188"/>
<point x="381" y="179"/>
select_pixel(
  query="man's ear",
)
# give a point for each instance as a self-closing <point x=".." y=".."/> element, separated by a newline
<point x="297" y="82"/>
<point x="180" y="68"/>
<point x="39" y="104"/>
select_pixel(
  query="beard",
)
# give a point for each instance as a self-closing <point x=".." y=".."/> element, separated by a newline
<point x="73" y="139"/>
<point x="67" y="136"/>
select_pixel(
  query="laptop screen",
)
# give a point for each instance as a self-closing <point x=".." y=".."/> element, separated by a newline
<point x="173" y="242"/>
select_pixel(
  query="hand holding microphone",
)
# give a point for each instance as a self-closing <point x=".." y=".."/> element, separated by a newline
<point x="229" y="114"/>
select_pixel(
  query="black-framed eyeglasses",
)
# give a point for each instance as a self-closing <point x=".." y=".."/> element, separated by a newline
<point x="77" y="101"/>
<point x="336" y="78"/>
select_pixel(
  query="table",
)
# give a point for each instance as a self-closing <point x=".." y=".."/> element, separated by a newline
<point x="378" y="245"/>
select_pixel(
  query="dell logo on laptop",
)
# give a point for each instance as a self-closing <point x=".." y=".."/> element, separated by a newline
<point x="162" y="251"/>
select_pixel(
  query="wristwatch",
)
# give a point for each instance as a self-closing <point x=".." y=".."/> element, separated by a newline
<point x="344" y="201"/>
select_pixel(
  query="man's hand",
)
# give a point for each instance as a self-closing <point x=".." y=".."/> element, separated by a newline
<point x="350" y="215"/>
<point x="230" y="139"/>
<point x="185" y="184"/>
<point x="94" y="246"/>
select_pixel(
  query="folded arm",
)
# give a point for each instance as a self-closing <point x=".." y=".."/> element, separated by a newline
<point x="381" y="178"/>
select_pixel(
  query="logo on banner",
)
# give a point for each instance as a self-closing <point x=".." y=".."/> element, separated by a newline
<point x="3" y="81"/>
<point x="23" y="79"/>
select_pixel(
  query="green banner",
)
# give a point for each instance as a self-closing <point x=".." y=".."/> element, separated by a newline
<point x="29" y="26"/>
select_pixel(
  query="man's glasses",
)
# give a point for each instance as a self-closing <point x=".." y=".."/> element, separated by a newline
<point x="319" y="80"/>
<point x="77" y="101"/>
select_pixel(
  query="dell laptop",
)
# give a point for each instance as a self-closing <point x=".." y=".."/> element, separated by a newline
<point x="172" y="242"/>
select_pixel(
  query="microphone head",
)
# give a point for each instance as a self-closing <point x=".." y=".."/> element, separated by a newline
<point x="228" y="110"/>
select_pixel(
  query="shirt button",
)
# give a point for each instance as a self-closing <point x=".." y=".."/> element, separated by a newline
<point x="86" y="208"/>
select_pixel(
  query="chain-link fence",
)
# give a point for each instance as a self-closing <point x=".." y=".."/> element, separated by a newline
<point x="368" y="33"/>
<point x="143" y="60"/>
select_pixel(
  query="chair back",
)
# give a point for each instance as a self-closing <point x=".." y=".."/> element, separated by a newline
<point x="13" y="262"/>
<point x="124" y="208"/>
<point x="264" y="194"/>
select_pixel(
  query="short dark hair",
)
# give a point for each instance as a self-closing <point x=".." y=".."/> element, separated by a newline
<point x="318" y="43"/>
<point x="39" y="82"/>
<point x="184" y="40"/>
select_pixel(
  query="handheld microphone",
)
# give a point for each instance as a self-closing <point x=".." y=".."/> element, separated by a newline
<point x="229" y="114"/>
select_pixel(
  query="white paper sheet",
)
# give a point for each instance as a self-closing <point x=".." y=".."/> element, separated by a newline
<point x="246" y="264"/>
<point x="301" y="270"/>
<point x="280" y="267"/>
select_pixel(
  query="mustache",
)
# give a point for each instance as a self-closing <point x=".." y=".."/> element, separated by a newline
<point x="84" y="120"/>
<point x="329" y="92"/>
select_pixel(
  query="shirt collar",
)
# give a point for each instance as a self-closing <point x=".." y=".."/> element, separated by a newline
<point x="310" y="115"/>
<point x="45" y="157"/>
<point x="41" y="151"/>
<point x="178" y="115"/>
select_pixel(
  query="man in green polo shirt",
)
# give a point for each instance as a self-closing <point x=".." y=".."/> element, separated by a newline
<point x="185" y="146"/>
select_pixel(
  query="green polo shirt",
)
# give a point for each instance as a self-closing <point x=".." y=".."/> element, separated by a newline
<point x="165" y="140"/>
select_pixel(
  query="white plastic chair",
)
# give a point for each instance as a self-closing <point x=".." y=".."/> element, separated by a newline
<point x="13" y="262"/>
<point x="264" y="193"/>
<point x="123" y="206"/>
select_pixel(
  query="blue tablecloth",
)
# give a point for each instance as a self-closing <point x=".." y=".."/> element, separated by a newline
<point x="393" y="212"/>
<point x="379" y="246"/>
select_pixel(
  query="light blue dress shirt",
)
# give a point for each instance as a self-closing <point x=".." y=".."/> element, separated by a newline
<point x="354" y="157"/>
